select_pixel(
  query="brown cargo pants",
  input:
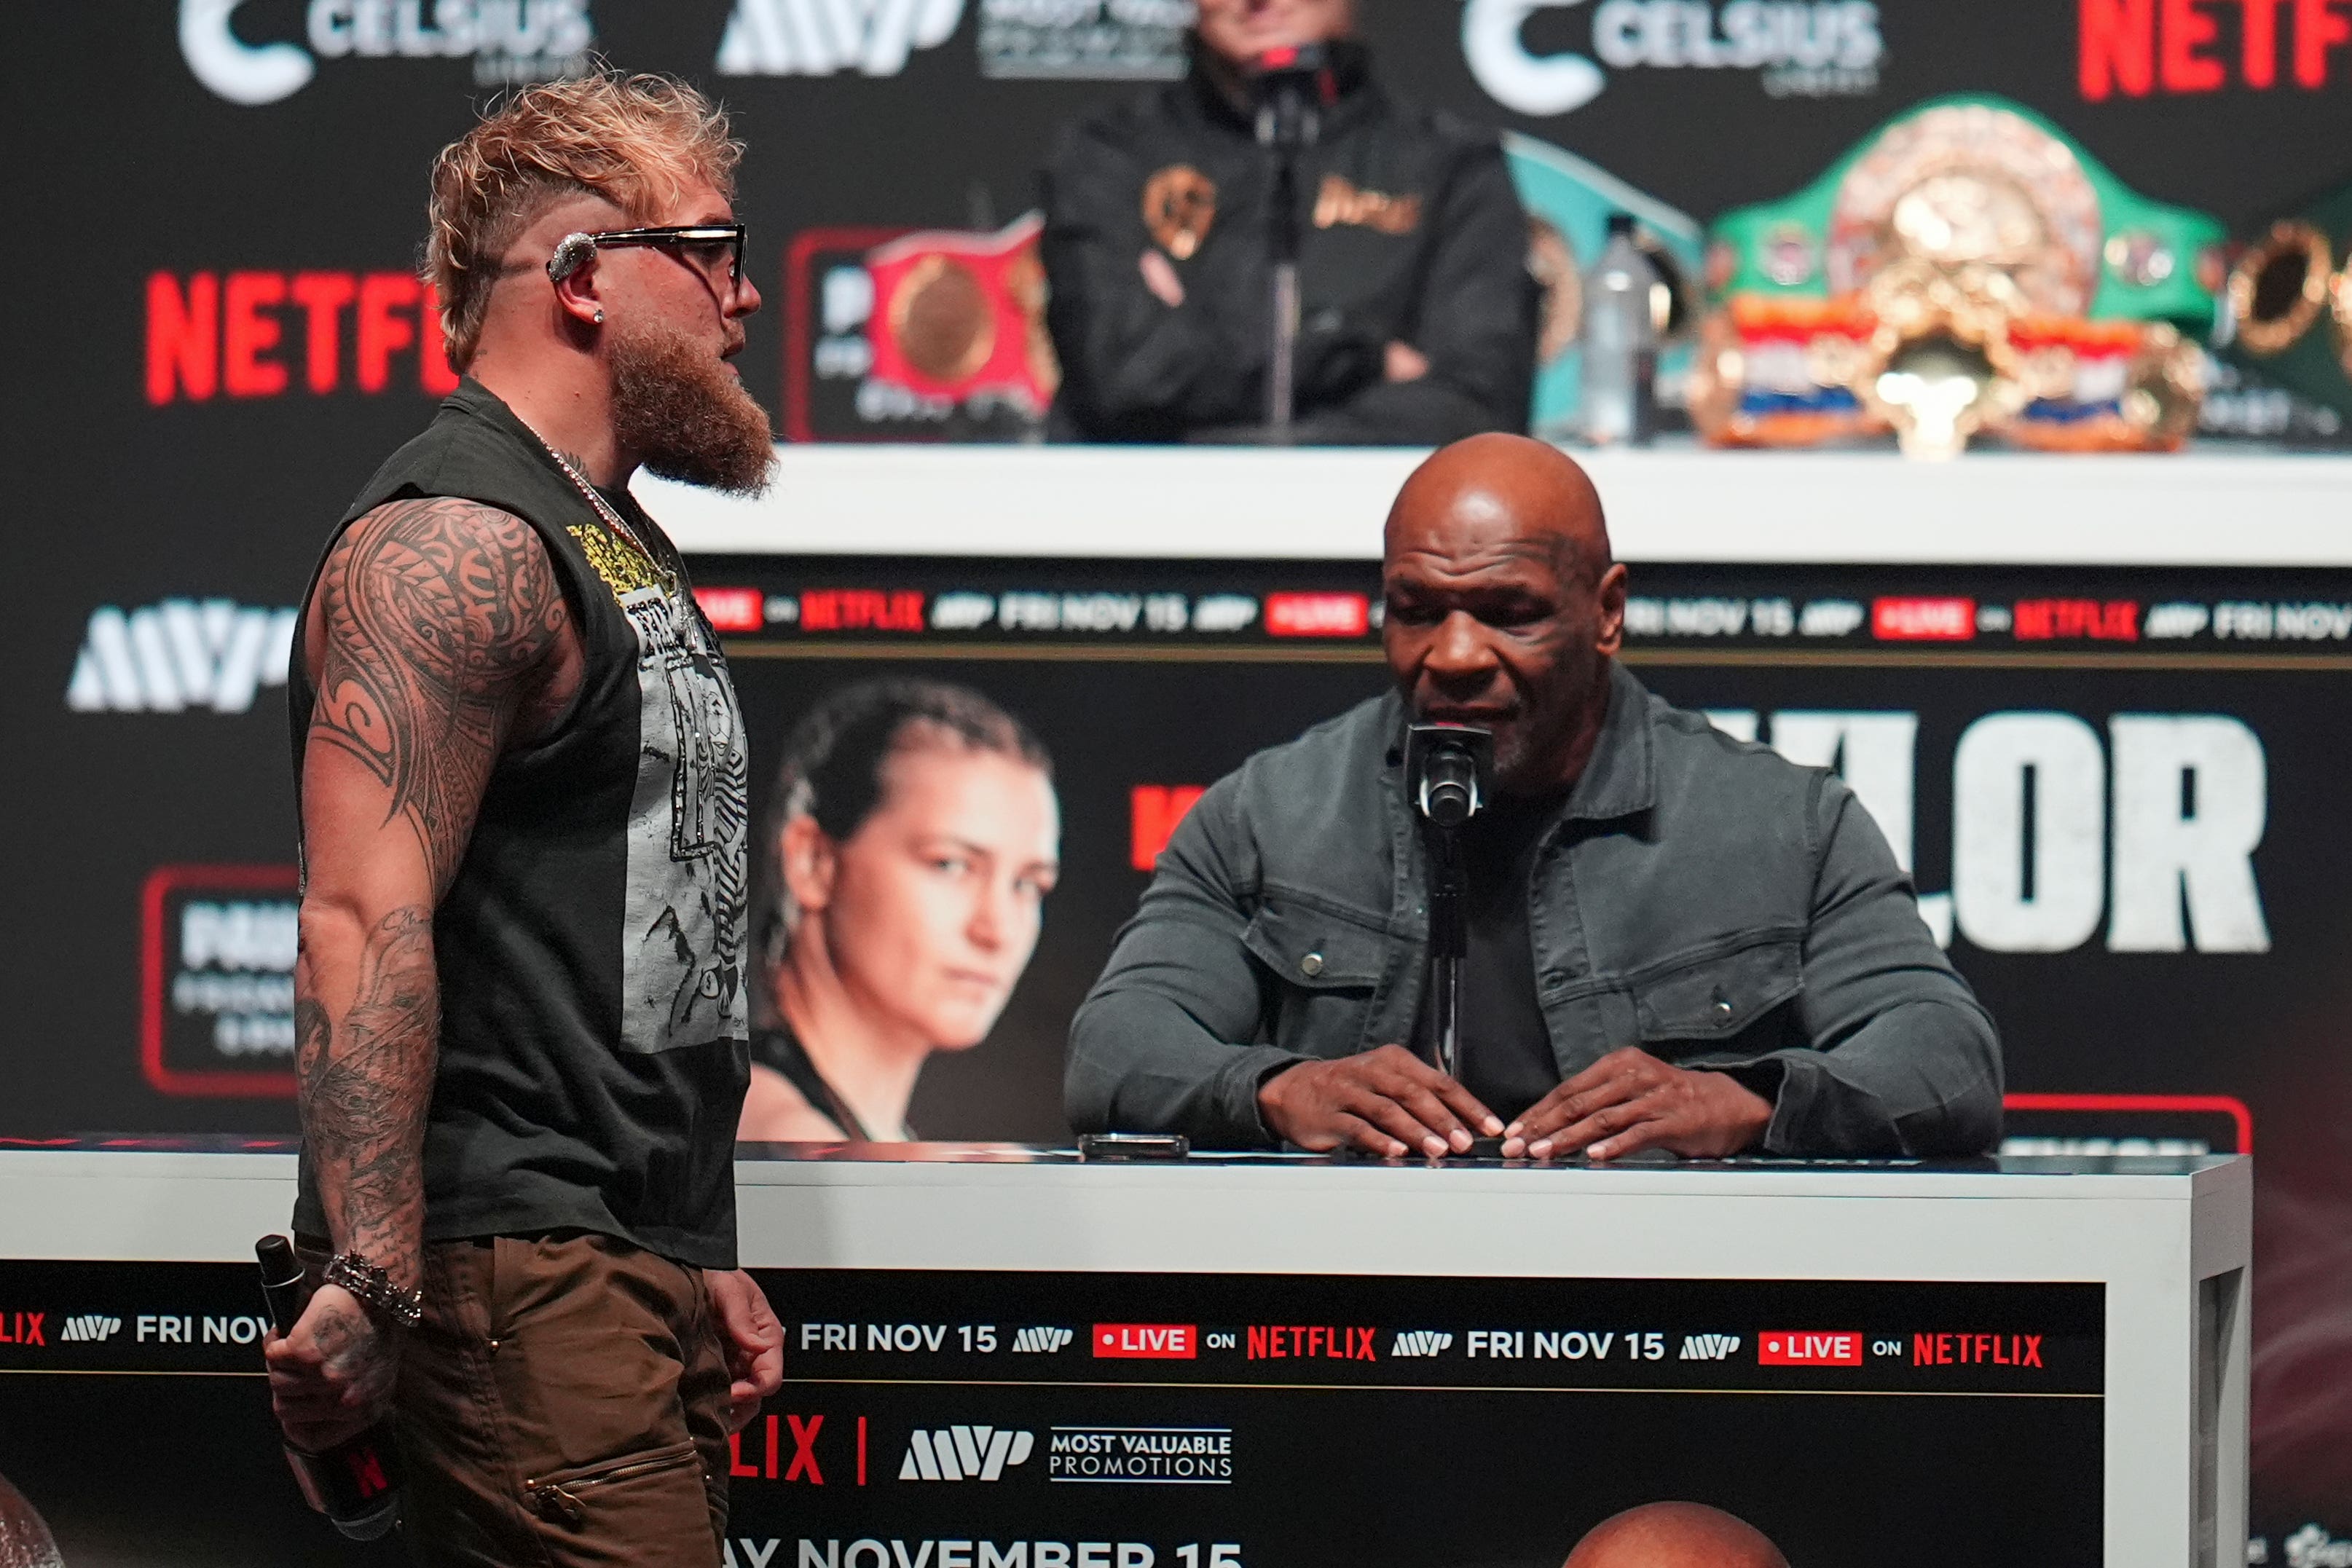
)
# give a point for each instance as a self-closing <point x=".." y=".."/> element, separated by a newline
<point x="563" y="1405"/>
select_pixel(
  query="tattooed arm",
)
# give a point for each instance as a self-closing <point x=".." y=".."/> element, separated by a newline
<point x="437" y="635"/>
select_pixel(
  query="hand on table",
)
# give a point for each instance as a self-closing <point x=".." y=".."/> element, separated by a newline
<point x="755" y="1343"/>
<point x="1629" y="1100"/>
<point x="331" y="1378"/>
<point x="1386" y="1102"/>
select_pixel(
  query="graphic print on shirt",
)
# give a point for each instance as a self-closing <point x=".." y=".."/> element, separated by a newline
<point x="689" y="835"/>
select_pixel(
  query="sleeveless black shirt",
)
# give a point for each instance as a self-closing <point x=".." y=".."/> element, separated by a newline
<point x="591" y="948"/>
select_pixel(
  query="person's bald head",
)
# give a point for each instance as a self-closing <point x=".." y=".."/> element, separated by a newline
<point x="1674" y="1535"/>
<point x="1504" y="606"/>
<point x="1493" y="485"/>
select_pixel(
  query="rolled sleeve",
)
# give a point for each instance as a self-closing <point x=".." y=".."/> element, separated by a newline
<point x="1904" y="1058"/>
<point x="1160" y="1044"/>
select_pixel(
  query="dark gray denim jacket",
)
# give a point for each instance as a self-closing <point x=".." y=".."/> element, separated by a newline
<point x="1701" y="897"/>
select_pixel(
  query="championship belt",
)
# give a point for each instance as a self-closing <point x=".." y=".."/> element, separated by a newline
<point x="2291" y="303"/>
<point x="1968" y="270"/>
<point x="960" y="318"/>
<point x="1568" y="201"/>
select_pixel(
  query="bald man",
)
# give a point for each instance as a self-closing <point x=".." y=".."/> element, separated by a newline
<point x="1676" y="940"/>
<point x="1674" y="1535"/>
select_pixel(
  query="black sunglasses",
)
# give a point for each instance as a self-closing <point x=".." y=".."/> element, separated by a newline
<point x="703" y="244"/>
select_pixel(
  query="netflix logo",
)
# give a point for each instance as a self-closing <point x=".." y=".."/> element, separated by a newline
<point x="246" y="334"/>
<point x="2137" y="48"/>
<point x="1976" y="1349"/>
<point x="1787" y="1348"/>
<point x="1146" y="1342"/>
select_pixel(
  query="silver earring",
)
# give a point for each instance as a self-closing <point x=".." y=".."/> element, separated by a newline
<point x="600" y="317"/>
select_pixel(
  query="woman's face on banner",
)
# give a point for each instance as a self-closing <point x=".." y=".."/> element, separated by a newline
<point x="938" y="895"/>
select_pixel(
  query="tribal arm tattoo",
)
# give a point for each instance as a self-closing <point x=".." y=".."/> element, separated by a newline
<point x="437" y="616"/>
<point x="437" y="623"/>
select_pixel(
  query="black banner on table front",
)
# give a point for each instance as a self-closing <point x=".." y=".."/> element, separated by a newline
<point x="1045" y="1420"/>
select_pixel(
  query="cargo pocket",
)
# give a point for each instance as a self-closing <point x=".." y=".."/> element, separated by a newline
<point x="1726" y="1002"/>
<point x="571" y="1497"/>
<point x="1328" y="967"/>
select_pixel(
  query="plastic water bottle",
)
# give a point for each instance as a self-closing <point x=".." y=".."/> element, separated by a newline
<point x="1621" y="342"/>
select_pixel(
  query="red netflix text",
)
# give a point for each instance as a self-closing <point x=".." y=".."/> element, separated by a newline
<point x="244" y="334"/>
<point x="861" y="610"/>
<point x="2174" y="46"/>
<point x="785" y="1447"/>
<point x="2043" y="620"/>
<point x="1976" y="1349"/>
<point x="22" y="1328"/>
<point x="1277" y="1341"/>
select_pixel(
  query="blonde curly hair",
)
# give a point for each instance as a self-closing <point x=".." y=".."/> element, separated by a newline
<point x="637" y="141"/>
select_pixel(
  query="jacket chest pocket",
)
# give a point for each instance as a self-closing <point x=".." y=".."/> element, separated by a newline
<point x="1325" y="967"/>
<point x="1730" y="1002"/>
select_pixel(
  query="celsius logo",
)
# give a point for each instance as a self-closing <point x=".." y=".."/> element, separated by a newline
<point x="964" y="1454"/>
<point x="1808" y="48"/>
<point x="510" y="40"/>
<point x="179" y="654"/>
<point x="1422" y="1342"/>
<point x="1709" y="1347"/>
<point x="818" y="38"/>
<point x="91" y="1328"/>
<point x="1042" y="1342"/>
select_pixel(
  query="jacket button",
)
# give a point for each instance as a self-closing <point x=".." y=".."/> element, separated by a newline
<point x="1722" y="1003"/>
<point x="1311" y="964"/>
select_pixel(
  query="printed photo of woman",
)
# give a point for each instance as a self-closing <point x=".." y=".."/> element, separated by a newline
<point x="899" y="882"/>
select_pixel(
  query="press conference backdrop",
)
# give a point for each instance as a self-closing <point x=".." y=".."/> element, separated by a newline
<point x="216" y="333"/>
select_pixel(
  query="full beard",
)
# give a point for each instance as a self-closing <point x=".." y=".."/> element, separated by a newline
<point x="676" y="407"/>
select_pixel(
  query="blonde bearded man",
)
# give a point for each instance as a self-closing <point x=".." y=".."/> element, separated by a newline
<point x="519" y="1000"/>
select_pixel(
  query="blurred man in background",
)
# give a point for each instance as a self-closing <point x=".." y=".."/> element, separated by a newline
<point x="899" y="889"/>
<point x="1416" y="316"/>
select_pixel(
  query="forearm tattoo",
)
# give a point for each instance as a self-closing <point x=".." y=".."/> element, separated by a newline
<point x="435" y="612"/>
<point x="365" y="1084"/>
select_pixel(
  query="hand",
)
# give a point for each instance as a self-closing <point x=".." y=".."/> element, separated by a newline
<point x="1160" y="277"/>
<point x="755" y="1343"/>
<point x="1387" y="1102"/>
<point x="1405" y="363"/>
<point x="1630" y="1100"/>
<point x="331" y="1378"/>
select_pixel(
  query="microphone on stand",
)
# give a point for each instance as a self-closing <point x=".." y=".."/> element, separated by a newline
<point x="1290" y="85"/>
<point x="1449" y="778"/>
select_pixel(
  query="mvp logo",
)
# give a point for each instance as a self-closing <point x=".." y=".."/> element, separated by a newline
<point x="179" y="655"/>
<point x="1422" y="1342"/>
<point x="91" y="1328"/>
<point x="1709" y="1347"/>
<point x="964" y="1454"/>
<point x="1040" y="1341"/>
<point x="818" y="38"/>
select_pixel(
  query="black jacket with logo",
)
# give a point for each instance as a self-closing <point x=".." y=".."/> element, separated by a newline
<point x="1409" y="231"/>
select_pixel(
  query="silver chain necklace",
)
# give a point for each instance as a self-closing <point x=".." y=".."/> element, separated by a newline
<point x="609" y="513"/>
